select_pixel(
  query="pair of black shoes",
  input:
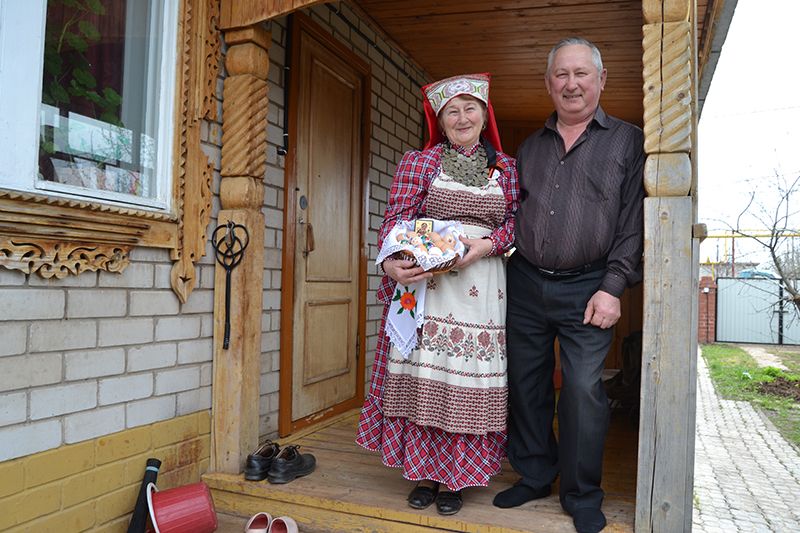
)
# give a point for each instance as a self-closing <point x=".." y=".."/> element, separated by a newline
<point x="278" y="465"/>
<point x="447" y="502"/>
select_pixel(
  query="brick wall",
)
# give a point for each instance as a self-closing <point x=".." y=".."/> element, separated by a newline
<point x="707" y="311"/>
<point x="99" y="353"/>
<point x="93" y="485"/>
<point x="396" y="127"/>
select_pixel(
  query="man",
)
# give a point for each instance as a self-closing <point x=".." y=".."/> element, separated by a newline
<point x="579" y="241"/>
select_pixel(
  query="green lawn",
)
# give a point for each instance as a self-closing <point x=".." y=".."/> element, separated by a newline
<point x="736" y="376"/>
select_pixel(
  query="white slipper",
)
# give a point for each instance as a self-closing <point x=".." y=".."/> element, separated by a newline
<point x="283" y="524"/>
<point x="259" y="523"/>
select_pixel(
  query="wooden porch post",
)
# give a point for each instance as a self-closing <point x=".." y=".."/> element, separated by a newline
<point x="667" y="424"/>
<point x="244" y="140"/>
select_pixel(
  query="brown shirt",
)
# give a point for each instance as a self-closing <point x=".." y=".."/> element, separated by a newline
<point x="586" y="204"/>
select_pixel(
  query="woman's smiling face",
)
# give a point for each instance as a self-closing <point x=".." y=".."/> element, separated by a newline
<point x="462" y="120"/>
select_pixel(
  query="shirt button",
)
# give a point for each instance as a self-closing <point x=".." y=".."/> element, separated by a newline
<point x="552" y="213"/>
<point x="561" y="162"/>
<point x="557" y="185"/>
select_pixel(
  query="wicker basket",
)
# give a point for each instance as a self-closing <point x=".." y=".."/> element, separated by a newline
<point x="440" y="269"/>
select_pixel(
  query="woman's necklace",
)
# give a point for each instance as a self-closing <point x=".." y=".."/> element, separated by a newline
<point x="469" y="170"/>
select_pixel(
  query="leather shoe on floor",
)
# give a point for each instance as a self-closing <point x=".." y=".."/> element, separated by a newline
<point x="259" y="462"/>
<point x="519" y="494"/>
<point x="290" y="464"/>
<point x="588" y="520"/>
<point x="449" y="502"/>
<point x="422" y="496"/>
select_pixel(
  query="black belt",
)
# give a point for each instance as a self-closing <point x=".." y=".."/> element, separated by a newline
<point x="594" y="266"/>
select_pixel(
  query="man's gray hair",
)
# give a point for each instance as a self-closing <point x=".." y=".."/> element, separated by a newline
<point x="569" y="41"/>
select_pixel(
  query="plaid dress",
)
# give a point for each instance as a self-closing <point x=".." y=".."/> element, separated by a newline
<point x="440" y="415"/>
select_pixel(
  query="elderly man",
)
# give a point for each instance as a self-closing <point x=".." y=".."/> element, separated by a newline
<point x="579" y="243"/>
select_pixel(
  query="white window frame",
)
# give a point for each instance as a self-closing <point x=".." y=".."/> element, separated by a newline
<point x="22" y="29"/>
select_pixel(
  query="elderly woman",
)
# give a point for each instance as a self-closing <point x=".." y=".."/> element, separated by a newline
<point x="440" y="413"/>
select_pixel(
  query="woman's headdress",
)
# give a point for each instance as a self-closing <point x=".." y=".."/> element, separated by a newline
<point x="437" y="94"/>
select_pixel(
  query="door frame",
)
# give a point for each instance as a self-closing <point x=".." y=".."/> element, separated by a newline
<point x="298" y="23"/>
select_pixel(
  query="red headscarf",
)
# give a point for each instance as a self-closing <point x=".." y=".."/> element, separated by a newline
<point x="440" y="92"/>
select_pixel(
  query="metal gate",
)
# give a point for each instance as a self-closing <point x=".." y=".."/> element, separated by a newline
<point x="753" y="311"/>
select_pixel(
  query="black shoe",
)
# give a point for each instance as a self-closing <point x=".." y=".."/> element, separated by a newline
<point x="290" y="464"/>
<point x="259" y="462"/>
<point x="422" y="496"/>
<point x="519" y="494"/>
<point x="448" y="502"/>
<point x="588" y="520"/>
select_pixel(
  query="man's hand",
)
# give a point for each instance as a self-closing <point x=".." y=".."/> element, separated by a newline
<point x="404" y="271"/>
<point x="602" y="310"/>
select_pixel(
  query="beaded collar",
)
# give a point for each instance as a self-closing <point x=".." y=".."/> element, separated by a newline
<point x="465" y="165"/>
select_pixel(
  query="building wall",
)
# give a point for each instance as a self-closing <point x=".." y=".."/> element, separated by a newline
<point x="707" y="311"/>
<point x="93" y="485"/>
<point x="396" y="127"/>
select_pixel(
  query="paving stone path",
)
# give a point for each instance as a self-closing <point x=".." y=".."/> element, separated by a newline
<point x="747" y="477"/>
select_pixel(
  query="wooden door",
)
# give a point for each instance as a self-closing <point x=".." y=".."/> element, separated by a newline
<point x="329" y="106"/>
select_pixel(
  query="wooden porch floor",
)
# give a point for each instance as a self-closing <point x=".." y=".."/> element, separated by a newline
<point x="351" y="491"/>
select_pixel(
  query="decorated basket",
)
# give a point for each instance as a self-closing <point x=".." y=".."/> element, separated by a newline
<point x="432" y="244"/>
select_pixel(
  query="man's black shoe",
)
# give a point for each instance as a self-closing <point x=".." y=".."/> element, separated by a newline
<point x="588" y="520"/>
<point x="519" y="494"/>
<point x="259" y="462"/>
<point x="290" y="464"/>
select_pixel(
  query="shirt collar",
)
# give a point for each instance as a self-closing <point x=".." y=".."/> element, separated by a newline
<point x="466" y="151"/>
<point x="600" y="118"/>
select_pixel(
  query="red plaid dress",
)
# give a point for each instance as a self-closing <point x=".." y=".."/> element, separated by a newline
<point x="457" y="460"/>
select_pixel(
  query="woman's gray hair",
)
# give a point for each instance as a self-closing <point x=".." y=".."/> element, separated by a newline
<point x="569" y="41"/>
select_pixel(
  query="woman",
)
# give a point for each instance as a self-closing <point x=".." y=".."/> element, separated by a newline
<point x="440" y="413"/>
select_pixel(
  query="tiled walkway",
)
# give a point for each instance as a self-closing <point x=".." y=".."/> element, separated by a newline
<point x="747" y="477"/>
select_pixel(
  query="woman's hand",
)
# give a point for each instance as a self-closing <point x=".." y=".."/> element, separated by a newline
<point x="404" y="271"/>
<point x="476" y="249"/>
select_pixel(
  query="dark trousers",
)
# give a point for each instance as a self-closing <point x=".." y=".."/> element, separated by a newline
<point x="539" y="311"/>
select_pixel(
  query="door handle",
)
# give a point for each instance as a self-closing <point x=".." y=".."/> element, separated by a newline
<point x="309" y="239"/>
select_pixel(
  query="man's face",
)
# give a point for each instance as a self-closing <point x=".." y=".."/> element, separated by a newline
<point x="574" y="83"/>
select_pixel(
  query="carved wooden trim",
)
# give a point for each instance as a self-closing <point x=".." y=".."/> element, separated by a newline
<point x="55" y="236"/>
<point x="655" y="11"/>
<point x="240" y="13"/>
<point x="61" y="259"/>
<point x="199" y="66"/>
<point x="667" y="87"/>
<point x="245" y="129"/>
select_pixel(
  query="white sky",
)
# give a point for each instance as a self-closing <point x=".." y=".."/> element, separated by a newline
<point x="750" y="124"/>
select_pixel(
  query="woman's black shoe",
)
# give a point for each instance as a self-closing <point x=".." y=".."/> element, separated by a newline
<point x="448" y="502"/>
<point x="259" y="462"/>
<point x="422" y="496"/>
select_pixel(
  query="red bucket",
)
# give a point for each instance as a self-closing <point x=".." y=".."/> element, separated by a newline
<point x="186" y="509"/>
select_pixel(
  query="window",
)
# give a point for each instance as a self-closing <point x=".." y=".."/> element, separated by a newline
<point x="86" y="99"/>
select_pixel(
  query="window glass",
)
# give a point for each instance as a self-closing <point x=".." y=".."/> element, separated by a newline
<point x="101" y="102"/>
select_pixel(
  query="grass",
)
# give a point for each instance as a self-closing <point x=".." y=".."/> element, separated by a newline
<point x="736" y="376"/>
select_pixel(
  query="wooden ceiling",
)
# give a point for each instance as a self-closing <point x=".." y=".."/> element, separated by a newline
<point x="511" y="39"/>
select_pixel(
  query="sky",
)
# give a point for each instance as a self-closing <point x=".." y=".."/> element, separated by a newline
<point x="750" y="123"/>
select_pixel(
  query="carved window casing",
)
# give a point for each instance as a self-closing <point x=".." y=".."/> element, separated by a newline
<point x="55" y="237"/>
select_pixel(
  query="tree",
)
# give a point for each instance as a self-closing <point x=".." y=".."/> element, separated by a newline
<point x="772" y="209"/>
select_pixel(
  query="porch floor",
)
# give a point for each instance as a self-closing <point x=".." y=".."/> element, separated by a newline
<point x="351" y="491"/>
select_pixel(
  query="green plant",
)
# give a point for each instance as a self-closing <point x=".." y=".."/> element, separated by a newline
<point x="67" y="71"/>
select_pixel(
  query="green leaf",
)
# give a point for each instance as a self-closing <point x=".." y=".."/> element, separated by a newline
<point x="85" y="78"/>
<point x="412" y="313"/>
<point x="399" y="310"/>
<point x="112" y="96"/>
<point x="52" y="64"/>
<point x="96" y="7"/>
<point x="111" y="118"/>
<point x="58" y="93"/>
<point x="71" y="3"/>
<point x="396" y="296"/>
<point x="89" y="30"/>
<point x="76" y="42"/>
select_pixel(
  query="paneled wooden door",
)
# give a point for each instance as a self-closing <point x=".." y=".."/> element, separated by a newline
<point x="329" y="121"/>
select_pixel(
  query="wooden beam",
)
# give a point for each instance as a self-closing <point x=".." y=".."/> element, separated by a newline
<point x="241" y="13"/>
<point x="237" y="368"/>
<point x="666" y="425"/>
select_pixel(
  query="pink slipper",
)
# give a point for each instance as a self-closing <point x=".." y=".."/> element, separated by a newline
<point x="259" y="523"/>
<point x="283" y="524"/>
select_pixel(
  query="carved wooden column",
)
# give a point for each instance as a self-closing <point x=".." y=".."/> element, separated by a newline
<point x="244" y="140"/>
<point x="667" y="424"/>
